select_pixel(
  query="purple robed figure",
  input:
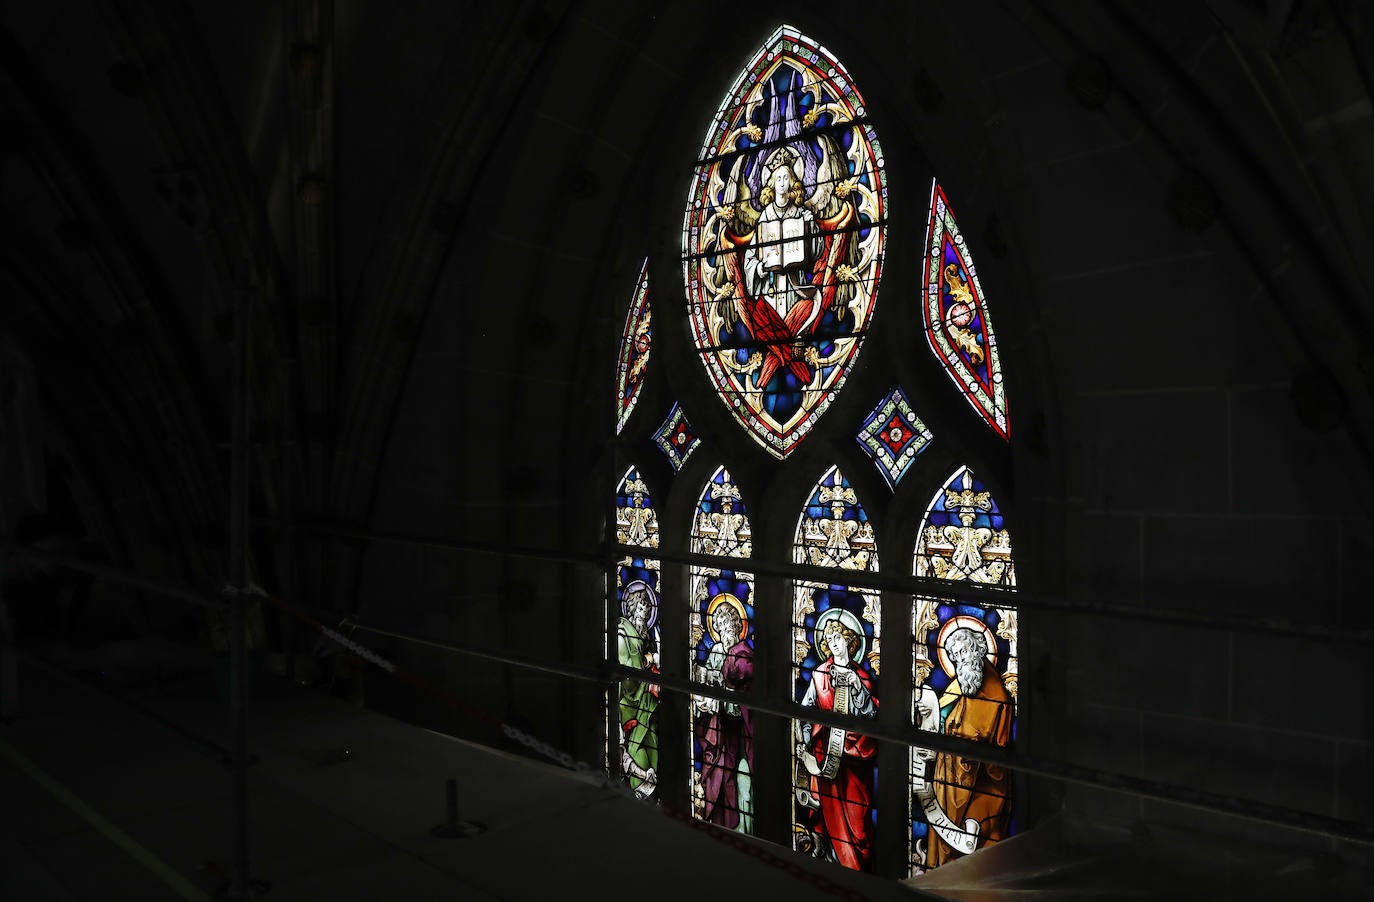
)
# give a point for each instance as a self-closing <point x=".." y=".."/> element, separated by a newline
<point x="723" y="729"/>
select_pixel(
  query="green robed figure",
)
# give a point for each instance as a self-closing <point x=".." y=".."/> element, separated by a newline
<point x="638" y="699"/>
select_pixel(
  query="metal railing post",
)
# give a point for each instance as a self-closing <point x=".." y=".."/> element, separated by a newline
<point x="9" y="665"/>
<point x="237" y="590"/>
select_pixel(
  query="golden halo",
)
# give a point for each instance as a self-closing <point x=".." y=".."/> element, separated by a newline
<point x="955" y="623"/>
<point x="732" y="601"/>
<point x="848" y="619"/>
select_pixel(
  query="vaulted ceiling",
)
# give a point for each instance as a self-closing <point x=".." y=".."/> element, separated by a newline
<point x="355" y="173"/>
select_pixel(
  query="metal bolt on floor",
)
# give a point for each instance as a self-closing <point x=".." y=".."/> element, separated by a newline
<point x="453" y="828"/>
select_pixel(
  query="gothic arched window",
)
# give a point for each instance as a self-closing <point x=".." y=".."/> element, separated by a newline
<point x="836" y="654"/>
<point x="637" y="633"/>
<point x="783" y="239"/>
<point x="721" y="629"/>
<point x="964" y="674"/>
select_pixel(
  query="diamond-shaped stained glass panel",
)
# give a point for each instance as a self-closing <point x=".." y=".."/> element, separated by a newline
<point x="677" y="438"/>
<point x="893" y="435"/>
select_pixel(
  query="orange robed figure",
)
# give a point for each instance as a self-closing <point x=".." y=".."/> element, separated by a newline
<point x="966" y="789"/>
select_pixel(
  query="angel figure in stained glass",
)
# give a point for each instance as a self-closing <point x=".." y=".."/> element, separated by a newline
<point x="784" y="239"/>
<point x="835" y="528"/>
<point x="788" y="238"/>
<point x="726" y="524"/>
<point x="637" y="520"/>
<point x="967" y="542"/>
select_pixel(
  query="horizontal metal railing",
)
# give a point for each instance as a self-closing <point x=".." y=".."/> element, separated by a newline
<point x="1271" y="815"/>
<point x="912" y="585"/>
<point x="608" y="673"/>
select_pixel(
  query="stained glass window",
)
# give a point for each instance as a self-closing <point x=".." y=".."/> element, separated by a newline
<point x="783" y="238"/>
<point x="964" y="535"/>
<point x="956" y="316"/>
<point x="965" y="677"/>
<point x="676" y="437"/>
<point x="893" y="435"/>
<point x="836" y="657"/>
<point x="722" y="630"/>
<point x="637" y="633"/>
<point x="635" y="344"/>
<point x="783" y="243"/>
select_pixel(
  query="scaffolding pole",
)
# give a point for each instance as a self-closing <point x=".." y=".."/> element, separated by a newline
<point x="237" y="590"/>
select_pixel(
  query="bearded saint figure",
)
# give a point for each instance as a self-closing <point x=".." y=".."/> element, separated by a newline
<point x="974" y="795"/>
<point x="788" y="239"/>
<point x="638" y="698"/>
<point x="723" y="729"/>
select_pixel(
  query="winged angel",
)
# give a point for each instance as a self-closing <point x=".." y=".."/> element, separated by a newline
<point x="784" y="248"/>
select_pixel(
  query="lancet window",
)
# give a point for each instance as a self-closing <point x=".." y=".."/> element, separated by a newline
<point x="637" y="634"/>
<point x="836" y="661"/>
<point x="722" y="630"/>
<point x="964" y="675"/>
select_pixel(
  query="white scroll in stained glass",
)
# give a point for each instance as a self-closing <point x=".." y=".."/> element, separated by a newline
<point x="964" y="661"/>
<point x="836" y="660"/>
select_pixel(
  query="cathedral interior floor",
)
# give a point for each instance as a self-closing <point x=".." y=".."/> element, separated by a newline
<point x="101" y="801"/>
<point x="103" y="798"/>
